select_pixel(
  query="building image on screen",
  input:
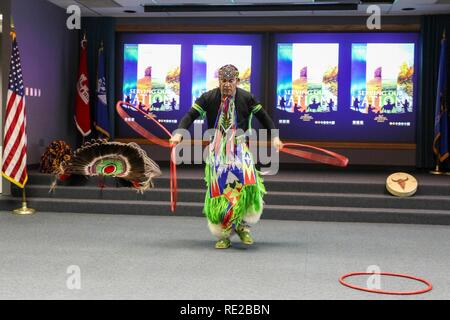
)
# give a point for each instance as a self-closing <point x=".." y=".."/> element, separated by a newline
<point x="207" y="59"/>
<point x="152" y="76"/>
<point x="307" y="77"/>
<point x="382" y="78"/>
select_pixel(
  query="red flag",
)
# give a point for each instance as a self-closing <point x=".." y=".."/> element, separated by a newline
<point x="14" y="166"/>
<point x="82" y="107"/>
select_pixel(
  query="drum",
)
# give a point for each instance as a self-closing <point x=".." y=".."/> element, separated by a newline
<point x="401" y="184"/>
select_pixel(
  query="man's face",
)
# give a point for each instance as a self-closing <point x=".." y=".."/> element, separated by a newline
<point x="228" y="86"/>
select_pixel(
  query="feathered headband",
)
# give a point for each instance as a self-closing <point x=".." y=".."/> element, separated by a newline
<point x="228" y="72"/>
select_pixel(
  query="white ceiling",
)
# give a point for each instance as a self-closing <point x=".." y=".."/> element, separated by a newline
<point x="115" y="8"/>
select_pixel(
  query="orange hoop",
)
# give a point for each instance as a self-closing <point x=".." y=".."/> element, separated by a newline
<point x="428" y="288"/>
<point x="164" y="143"/>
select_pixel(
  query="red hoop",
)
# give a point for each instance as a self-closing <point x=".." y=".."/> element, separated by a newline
<point x="164" y="143"/>
<point x="428" y="288"/>
<point x="329" y="157"/>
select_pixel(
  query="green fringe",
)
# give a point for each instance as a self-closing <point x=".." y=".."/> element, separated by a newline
<point x="250" y="200"/>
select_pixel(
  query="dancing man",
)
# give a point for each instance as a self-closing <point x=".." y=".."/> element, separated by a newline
<point x="235" y="189"/>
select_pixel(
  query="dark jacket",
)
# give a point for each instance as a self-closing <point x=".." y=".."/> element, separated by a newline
<point x="209" y="103"/>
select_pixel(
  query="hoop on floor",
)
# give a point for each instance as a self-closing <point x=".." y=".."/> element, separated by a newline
<point x="428" y="288"/>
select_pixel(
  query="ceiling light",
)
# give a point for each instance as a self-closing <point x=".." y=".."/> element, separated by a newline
<point x="329" y="5"/>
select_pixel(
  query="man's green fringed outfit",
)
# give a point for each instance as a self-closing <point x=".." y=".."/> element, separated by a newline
<point x="235" y="189"/>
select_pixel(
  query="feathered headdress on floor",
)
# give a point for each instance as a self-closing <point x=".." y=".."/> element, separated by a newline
<point x="113" y="159"/>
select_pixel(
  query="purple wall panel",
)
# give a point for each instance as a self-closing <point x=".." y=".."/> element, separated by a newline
<point x="49" y="61"/>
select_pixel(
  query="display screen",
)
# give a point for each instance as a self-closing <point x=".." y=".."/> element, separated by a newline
<point x="152" y="76"/>
<point x="346" y="87"/>
<point x="382" y="78"/>
<point x="209" y="58"/>
<point x="306" y="83"/>
<point x="163" y="74"/>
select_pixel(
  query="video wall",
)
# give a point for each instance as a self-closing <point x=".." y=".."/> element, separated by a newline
<point x="163" y="74"/>
<point x="359" y="87"/>
<point x="346" y="87"/>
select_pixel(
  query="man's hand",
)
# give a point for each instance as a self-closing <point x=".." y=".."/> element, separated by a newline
<point x="176" y="139"/>
<point x="276" y="142"/>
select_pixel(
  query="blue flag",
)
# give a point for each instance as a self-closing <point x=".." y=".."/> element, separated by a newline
<point x="440" y="143"/>
<point x="101" y="104"/>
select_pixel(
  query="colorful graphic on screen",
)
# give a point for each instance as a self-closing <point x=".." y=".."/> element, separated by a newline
<point x="307" y="77"/>
<point x="207" y="59"/>
<point x="151" y="78"/>
<point x="357" y="87"/>
<point x="382" y="78"/>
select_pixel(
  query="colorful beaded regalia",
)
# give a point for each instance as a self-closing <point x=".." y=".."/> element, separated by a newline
<point x="235" y="190"/>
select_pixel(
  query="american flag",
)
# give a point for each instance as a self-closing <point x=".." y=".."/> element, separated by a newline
<point x="15" y="144"/>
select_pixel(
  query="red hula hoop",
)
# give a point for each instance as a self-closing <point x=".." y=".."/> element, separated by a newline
<point x="331" y="158"/>
<point x="164" y="143"/>
<point x="428" y="288"/>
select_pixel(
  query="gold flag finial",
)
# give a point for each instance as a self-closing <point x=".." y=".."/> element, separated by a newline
<point x="13" y="29"/>
<point x="84" y="40"/>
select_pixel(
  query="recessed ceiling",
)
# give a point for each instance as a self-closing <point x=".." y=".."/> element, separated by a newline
<point x="116" y="8"/>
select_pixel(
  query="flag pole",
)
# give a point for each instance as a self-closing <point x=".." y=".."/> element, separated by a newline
<point x="13" y="29"/>
<point x="83" y="43"/>
<point x="24" y="210"/>
<point x="437" y="170"/>
<point x="443" y="104"/>
<point x="439" y="160"/>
